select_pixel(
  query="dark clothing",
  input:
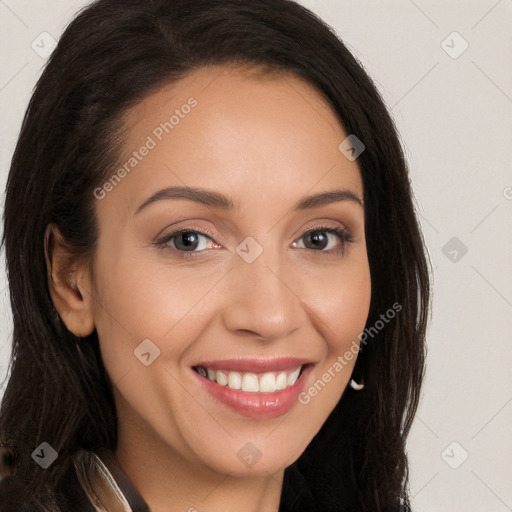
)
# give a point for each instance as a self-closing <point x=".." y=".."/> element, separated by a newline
<point x="95" y="482"/>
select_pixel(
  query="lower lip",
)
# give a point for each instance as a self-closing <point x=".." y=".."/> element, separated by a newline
<point x="258" y="406"/>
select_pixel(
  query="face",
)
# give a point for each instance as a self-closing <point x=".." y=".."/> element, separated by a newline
<point x="229" y="278"/>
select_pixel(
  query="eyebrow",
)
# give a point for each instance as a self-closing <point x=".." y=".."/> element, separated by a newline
<point x="223" y="202"/>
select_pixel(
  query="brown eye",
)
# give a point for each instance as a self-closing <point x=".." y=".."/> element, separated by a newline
<point x="187" y="241"/>
<point x="323" y="239"/>
<point x="319" y="239"/>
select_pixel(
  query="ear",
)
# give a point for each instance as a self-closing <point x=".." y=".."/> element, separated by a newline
<point x="70" y="283"/>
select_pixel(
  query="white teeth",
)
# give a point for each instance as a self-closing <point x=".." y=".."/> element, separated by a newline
<point x="281" y="381"/>
<point x="292" y="378"/>
<point x="269" y="382"/>
<point x="234" y="380"/>
<point x="221" y="378"/>
<point x="250" y="383"/>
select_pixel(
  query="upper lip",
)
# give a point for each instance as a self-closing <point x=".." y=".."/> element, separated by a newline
<point x="255" y="365"/>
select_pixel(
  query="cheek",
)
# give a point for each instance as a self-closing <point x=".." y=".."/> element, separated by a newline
<point x="343" y="312"/>
<point x="136" y="301"/>
<point x="342" y="303"/>
<point x="127" y="310"/>
<point x="348" y="312"/>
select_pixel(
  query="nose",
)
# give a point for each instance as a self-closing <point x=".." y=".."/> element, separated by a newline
<point x="263" y="298"/>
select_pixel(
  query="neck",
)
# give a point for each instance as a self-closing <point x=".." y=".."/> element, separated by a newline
<point x="168" y="482"/>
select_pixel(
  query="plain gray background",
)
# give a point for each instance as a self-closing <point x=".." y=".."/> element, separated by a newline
<point x="453" y="108"/>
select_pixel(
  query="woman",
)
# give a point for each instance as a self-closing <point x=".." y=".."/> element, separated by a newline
<point x="222" y="300"/>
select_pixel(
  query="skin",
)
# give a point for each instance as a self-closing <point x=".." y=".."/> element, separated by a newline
<point x="267" y="141"/>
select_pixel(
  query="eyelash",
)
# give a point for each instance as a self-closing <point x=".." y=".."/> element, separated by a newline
<point x="343" y="234"/>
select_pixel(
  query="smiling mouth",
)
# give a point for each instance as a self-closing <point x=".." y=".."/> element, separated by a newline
<point x="267" y="382"/>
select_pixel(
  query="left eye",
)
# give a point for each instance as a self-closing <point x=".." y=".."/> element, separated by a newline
<point x="323" y="239"/>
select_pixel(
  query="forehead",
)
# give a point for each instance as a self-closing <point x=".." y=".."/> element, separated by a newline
<point x="235" y="129"/>
<point x="237" y="84"/>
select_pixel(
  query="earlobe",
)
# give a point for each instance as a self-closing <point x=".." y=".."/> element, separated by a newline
<point x="69" y="283"/>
